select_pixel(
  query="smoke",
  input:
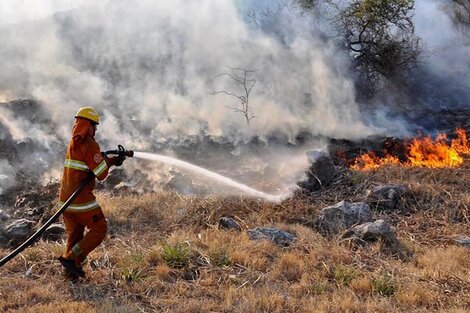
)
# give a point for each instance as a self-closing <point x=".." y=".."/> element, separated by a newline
<point x="445" y="78"/>
<point x="447" y="48"/>
<point x="6" y="175"/>
<point x="150" y="67"/>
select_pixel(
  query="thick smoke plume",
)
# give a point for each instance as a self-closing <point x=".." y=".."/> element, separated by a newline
<point x="150" y="67"/>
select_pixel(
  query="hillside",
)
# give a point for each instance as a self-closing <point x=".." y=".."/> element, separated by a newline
<point x="166" y="253"/>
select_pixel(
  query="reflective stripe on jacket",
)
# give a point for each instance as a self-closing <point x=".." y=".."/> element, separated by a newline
<point x="81" y="207"/>
<point x="83" y="154"/>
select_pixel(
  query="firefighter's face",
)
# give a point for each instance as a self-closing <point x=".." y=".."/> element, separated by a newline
<point x="92" y="130"/>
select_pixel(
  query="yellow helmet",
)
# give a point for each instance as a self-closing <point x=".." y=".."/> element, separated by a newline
<point x="88" y="113"/>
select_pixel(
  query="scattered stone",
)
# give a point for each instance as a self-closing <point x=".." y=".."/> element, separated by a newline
<point x="18" y="231"/>
<point x="372" y="231"/>
<point x="343" y="215"/>
<point x="386" y="197"/>
<point x="322" y="171"/>
<point x="54" y="232"/>
<point x="228" y="223"/>
<point x="29" y="272"/>
<point x="278" y="236"/>
<point x="464" y="241"/>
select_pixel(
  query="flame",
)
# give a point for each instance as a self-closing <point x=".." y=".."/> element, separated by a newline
<point x="370" y="161"/>
<point x="460" y="144"/>
<point x="422" y="152"/>
<point x="425" y="152"/>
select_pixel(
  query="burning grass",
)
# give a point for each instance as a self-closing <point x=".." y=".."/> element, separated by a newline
<point x="422" y="152"/>
<point x="165" y="253"/>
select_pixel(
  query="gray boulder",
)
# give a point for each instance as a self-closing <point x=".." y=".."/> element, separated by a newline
<point x="386" y="197"/>
<point x="54" y="232"/>
<point x="275" y="235"/>
<point x="464" y="241"/>
<point x="18" y="231"/>
<point x="372" y="231"/>
<point x="228" y="223"/>
<point x="343" y="215"/>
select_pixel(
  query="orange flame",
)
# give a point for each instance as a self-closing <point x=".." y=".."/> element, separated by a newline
<point x="460" y="144"/>
<point x="370" y="161"/>
<point x="422" y="152"/>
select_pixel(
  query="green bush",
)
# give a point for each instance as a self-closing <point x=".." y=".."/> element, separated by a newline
<point x="384" y="286"/>
<point x="220" y="258"/>
<point x="343" y="275"/>
<point x="176" y="256"/>
<point x="131" y="275"/>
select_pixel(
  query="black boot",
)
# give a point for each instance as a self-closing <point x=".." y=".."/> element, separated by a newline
<point x="71" y="267"/>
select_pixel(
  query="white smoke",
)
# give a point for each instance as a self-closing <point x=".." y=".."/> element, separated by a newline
<point x="149" y="67"/>
<point x="7" y="173"/>
<point x="447" y="48"/>
<point x="158" y="62"/>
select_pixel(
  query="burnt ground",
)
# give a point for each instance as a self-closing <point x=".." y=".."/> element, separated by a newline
<point x="29" y="198"/>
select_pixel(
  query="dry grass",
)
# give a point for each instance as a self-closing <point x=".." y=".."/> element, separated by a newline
<point x="224" y="271"/>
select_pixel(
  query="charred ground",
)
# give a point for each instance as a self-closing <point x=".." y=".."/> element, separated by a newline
<point x="166" y="252"/>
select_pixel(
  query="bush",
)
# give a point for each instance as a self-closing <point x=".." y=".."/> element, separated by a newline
<point x="220" y="258"/>
<point x="132" y="275"/>
<point x="384" y="286"/>
<point x="343" y="275"/>
<point x="176" y="256"/>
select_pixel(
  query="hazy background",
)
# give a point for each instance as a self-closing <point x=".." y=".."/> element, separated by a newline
<point x="149" y="67"/>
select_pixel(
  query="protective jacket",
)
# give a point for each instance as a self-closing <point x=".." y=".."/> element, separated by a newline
<point x="83" y="155"/>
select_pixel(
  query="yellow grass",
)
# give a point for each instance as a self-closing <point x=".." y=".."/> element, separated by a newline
<point x="226" y="272"/>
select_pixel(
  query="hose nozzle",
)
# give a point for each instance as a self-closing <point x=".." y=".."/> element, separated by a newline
<point x="120" y="152"/>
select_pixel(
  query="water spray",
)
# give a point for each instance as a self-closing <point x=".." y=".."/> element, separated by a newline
<point x="212" y="175"/>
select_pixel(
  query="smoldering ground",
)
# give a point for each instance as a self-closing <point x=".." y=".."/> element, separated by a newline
<point x="150" y="68"/>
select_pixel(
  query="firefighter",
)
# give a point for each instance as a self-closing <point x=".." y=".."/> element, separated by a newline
<point x="83" y="155"/>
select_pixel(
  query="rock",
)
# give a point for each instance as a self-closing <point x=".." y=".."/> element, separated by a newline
<point x="341" y="216"/>
<point x="386" y="197"/>
<point x="372" y="231"/>
<point x="29" y="272"/>
<point x="278" y="236"/>
<point x="54" y="232"/>
<point x="114" y="178"/>
<point x="228" y="223"/>
<point x="464" y="241"/>
<point x="18" y="231"/>
<point x="322" y="171"/>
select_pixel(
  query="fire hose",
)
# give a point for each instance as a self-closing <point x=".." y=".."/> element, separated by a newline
<point x="121" y="152"/>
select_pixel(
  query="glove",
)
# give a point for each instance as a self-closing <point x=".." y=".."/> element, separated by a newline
<point x="119" y="160"/>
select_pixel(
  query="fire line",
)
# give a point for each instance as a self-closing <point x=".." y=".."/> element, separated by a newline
<point x="422" y="152"/>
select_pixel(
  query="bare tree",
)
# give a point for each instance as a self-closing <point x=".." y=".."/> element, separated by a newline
<point x="241" y="77"/>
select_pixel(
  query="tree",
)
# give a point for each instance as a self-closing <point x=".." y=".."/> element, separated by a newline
<point x="380" y="36"/>
<point x="240" y="77"/>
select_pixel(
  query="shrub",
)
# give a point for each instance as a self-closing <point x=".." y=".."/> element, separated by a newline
<point x="384" y="286"/>
<point x="132" y="275"/>
<point x="343" y="275"/>
<point x="220" y="257"/>
<point x="176" y="256"/>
